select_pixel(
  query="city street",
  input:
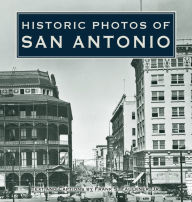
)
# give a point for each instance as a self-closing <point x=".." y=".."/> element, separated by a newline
<point x="54" y="199"/>
<point x="86" y="184"/>
<point x="30" y="200"/>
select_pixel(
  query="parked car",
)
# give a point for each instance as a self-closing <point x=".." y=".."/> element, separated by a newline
<point x="144" y="198"/>
<point x="4" y="193"/>
<point x="22" y="192"/>
<point x="100" y="181"/>
<point x="65" y="199"/>
<point x="121" y="196"/>
<point x="93" y="197"/>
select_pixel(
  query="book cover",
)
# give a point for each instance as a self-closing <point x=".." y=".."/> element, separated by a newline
<point x="95" y="95"/>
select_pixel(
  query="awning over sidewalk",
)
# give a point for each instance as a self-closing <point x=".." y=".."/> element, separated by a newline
<point x="128" y="179"/>
<point x="138" y="177"/>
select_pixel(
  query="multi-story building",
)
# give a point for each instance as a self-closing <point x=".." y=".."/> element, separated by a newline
<point x="123" y="132"/>
<point x="100" y="157"/>
<point x="35" y="130"/>
<point x="109" y="156"/>
<point x="164" y="116"/>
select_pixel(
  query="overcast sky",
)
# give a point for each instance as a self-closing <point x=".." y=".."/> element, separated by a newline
<point x="92" y="86"/>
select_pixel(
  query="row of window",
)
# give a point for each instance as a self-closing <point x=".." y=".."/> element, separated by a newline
<point x="178" y="62"/>
<point x="27" y="112"/>
<point x="176" y="144"/>
<point x="35" y="159"/>
<point x="176" y="95"/>
<point x="24" y="133"/>
<point x="22" y="114"/>
<point x="17" y="91"/>
<point x="159" y="112"/>
<point x="177" y="128"/>
<point x="158" y="79"/>
<point x="160" y="161"/>
<point x="117" y="122"/>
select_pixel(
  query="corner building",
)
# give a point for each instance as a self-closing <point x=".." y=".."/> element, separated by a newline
<point x="164" y="117"/>
<point x="123" y="132"/>
<point x="35" y="130"/>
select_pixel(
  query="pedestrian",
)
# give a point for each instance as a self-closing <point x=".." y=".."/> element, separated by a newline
<point x="5" y="194"/>
<point x="46" y="195"/>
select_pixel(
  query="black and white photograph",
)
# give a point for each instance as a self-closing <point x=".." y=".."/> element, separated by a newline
<point x="95" y="129"/>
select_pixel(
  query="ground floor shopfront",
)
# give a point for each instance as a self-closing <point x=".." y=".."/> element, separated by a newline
<point x="54" y="176"/>
<point x="163" y="168"/>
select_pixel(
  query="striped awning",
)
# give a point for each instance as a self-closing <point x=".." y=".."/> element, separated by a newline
<point x="138" y="177"/>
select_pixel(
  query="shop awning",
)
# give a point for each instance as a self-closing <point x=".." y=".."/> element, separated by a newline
<point x="129" y="179"/>
<point x="138" y="177"/>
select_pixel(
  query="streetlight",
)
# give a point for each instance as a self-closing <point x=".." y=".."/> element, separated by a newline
<point x="127" y="154"/>
<point x="41" y="184"/>
<point x="150" y="174"/>
<point x="141" y="5"/>
<point x="181" y="172"/>
<point x="34" y="161"/>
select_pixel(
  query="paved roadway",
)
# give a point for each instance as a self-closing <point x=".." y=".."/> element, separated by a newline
<point x="53" y="198"/>
<point x="109" y="199"/>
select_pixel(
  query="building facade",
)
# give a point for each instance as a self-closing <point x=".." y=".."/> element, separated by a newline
<point x="100" y="157"/>
<point x="123" y="132"/>
<point x="109" y="155"/>
<point x="35" y="130"/>
<point x="164" y="116"/>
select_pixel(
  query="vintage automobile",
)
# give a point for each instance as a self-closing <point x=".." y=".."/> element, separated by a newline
<point x="144" y="198"/>
<point x="93" y="197"/>
<point x="121" y="196"/>
<point x="65" y="199"/>
<point x="3" y="193"/>
<point x="100" y="181"/>
<point x="22" y="192"/>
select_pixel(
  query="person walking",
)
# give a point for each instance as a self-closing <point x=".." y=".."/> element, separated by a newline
<point x="46" y="195"/>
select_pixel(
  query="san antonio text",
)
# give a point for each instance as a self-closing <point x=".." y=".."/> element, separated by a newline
<point x="104" y="41"/>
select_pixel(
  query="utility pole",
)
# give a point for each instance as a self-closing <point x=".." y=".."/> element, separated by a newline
<point x="34" y="162"/>
<point x="13" y="164"/>
<point x="150" y="175"/>
<point x="141" y="7"/>
<point x="181" y="172"/>
<point x="127" y="159"/>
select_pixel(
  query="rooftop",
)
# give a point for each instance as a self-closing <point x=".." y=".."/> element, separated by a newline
<point x="25" y="78"/>
<point x="29" y="98"/>
<point x="119" y="106"/>
<point x="184" y="42"/>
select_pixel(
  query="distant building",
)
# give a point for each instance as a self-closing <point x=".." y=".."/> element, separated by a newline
<point x="100" y="154"/>
<point x="35" y="130"/>
<point x="124" y="132"/>
<point x="164" y="116"/>
<point x="109" y="156"/>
